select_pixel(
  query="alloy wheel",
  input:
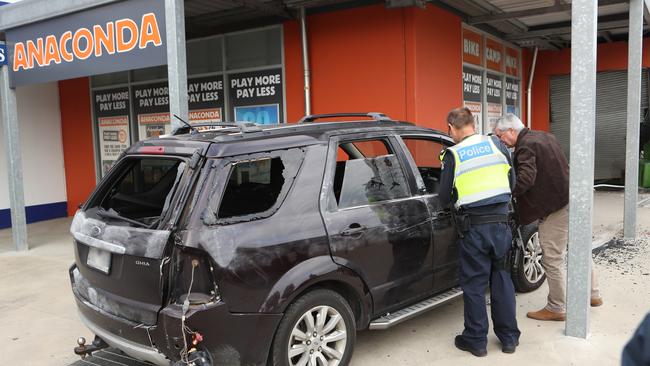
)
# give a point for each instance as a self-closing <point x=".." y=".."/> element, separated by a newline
<point x="318" y="338"/>
<point x="533" y="269"/>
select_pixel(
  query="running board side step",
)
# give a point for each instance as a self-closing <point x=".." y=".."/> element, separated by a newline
<point x="414" y="310"/>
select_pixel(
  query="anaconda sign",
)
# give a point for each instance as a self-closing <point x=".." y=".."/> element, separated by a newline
<point x="120" y="36"/>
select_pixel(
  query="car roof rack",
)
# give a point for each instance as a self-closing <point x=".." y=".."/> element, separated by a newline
<point x="243" y="127"/>
<point x="377" y="116"/>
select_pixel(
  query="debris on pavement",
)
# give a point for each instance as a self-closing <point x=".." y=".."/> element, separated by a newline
<point x="625" y="256"/>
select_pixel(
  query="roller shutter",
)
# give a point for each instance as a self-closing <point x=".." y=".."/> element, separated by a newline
<point x="611" y="109"/>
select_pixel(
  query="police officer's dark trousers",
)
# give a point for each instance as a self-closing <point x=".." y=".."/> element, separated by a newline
<point x="482" y="250"/>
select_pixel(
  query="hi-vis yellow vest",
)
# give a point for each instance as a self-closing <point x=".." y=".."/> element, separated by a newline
<point x="481" y="170"/>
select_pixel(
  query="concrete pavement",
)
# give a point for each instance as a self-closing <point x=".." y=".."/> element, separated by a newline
<point x="39" y="324"/>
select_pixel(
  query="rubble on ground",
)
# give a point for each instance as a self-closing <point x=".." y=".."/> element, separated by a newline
<point x="625" y="256"/>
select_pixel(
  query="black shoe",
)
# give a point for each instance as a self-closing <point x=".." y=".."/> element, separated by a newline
<point x="462" y="345"/>
<point x="509" y="348"/>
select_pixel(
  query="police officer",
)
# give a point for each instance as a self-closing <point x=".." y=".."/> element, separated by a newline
<point x="477" y="177"/>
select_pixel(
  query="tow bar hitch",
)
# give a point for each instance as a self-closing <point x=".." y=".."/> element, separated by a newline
<point x="84" y="350"/>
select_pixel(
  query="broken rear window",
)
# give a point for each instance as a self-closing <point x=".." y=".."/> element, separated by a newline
<point x="142" y="191"/>
<point x="129" y="213"/>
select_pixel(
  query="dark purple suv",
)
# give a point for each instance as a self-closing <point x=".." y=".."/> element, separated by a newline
<point x="234" y="244"/>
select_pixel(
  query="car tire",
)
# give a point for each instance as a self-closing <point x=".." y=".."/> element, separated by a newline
<point x="529" y="274"/>
<point x="295" y="336"/>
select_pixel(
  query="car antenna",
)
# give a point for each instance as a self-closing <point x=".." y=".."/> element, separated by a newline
<point x="186" y="124"/>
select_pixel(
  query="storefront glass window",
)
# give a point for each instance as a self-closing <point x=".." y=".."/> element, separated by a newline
<point x="204" y="56"/>
<point x="150" y="73"/>
<point x="253" y="49"/>
<point x="110" y="79"/>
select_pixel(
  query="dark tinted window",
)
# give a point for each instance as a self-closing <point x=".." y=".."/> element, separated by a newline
<point x="253" y="187"/>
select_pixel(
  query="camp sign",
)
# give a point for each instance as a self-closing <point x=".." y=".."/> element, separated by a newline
<point x="121" y="36"/>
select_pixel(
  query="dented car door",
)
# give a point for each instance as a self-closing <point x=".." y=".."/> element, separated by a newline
<point x="375" y="225"/>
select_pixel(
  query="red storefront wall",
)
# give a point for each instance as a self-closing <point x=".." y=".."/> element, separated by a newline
<point x="403" y="62"/>
<point x="77" y="136"/>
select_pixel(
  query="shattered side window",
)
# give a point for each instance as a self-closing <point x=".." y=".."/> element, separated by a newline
<point x="256" y="186"/>
<point x="371" y="180"/>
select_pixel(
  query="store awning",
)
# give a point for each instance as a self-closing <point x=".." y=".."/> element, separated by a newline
<point x="540" y="23"/>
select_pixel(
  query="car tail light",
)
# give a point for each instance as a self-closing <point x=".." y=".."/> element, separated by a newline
<point x="193" y="278"/>
<point x="156" y="150"/>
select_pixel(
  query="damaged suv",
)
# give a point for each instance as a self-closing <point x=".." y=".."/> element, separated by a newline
<point x="249" y="245"/>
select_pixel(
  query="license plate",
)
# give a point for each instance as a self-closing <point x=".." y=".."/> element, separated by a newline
<point x="99" y="259"/>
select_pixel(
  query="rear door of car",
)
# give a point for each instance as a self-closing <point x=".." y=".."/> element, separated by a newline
<point x="122" y="234"/>
<point x="423" y="156"/>
<point x="376" y="226"/>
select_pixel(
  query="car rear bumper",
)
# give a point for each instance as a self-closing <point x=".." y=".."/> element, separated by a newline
<point x="230" y="338"/>
<point x="125" y="335"/>
<point x="132" y="349"/>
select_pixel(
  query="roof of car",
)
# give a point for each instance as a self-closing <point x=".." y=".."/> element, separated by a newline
<point x="227" y="141"/>
<point x="317" y="130"/>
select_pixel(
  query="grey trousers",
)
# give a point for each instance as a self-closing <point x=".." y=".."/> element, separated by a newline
<point x="553" y="237"/>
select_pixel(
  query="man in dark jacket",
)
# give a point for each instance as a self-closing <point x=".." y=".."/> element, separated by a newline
<point x="542" y="193"/>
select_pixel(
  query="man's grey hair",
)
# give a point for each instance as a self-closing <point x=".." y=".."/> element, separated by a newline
<point x="509" y="121"/>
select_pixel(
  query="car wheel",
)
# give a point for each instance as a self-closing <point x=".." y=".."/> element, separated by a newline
<point x="318" y="329"/>
<point x="529" y="274"/>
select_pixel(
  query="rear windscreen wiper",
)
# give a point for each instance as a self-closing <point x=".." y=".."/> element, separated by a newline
<point x="112" y="214"/>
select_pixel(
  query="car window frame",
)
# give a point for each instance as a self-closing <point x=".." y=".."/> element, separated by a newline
<point x="438" y="138"/>
<point x="216" y="184"/>
<point x="328" y="199"/>
<point x="169" y="218"/>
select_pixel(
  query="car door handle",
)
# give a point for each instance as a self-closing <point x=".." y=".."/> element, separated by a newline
<point x="443" y="214"/>
<point x="354" y="230"/>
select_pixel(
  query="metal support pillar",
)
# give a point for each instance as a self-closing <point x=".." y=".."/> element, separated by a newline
<point x="11" y="140"/>
<point x="634" y="49"/>
<point x="305" y="60"/>
<point x="584" y="14"/>
<point x="176" y="62"/>
<point x="529" y="90"/>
